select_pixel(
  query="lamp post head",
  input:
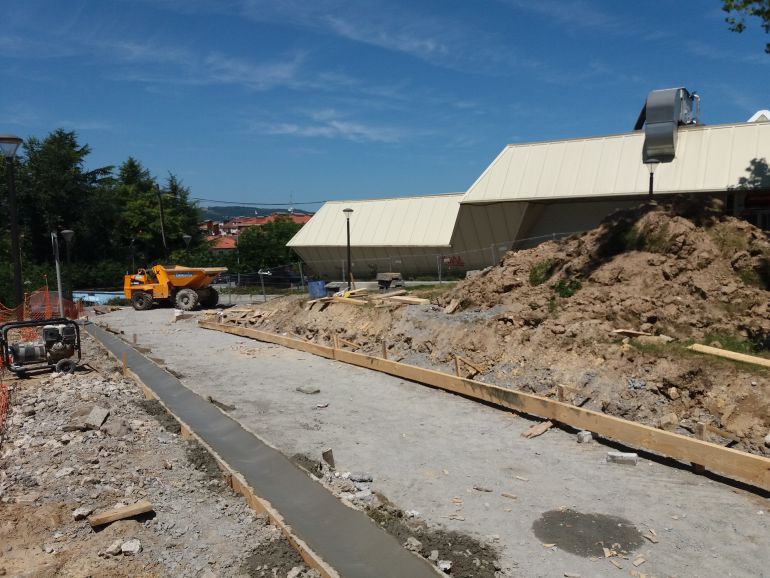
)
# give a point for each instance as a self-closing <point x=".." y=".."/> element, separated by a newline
<point x="347" y="212"/>
<point x="187" y="239"/>
<point x="8" y="145"/>
<point x="67" y="234"/>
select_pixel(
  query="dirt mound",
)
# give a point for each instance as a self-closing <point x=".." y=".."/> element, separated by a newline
<point x="690" y="272"/>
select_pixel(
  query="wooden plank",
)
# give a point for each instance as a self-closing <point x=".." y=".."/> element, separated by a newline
<point x="349" y="301"/>
<point x="392" y="294"/>
<point x="753" y="359"/>
<point x="472" y="366"/>
<point x="310" y="347"/>
<point x="452" y="307"/>
<point x="116" y="514"/>
<point x="409" y="300"/>
<point x="750" y="468"/>
<point x="348" y="343"/>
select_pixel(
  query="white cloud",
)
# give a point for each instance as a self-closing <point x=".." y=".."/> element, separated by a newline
<point x="329" y="124"/>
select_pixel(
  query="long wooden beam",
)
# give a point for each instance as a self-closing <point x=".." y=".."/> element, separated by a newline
<point x="735" y="464"/>
<point x="727" y="354"/>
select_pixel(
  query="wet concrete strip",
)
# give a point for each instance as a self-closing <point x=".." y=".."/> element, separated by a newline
<point x="346" y="539"/>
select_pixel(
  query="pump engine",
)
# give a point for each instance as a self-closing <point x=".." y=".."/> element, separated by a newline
<point x="57" y="346"/>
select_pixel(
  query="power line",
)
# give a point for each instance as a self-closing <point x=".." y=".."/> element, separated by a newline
<point x="255" y="204"/>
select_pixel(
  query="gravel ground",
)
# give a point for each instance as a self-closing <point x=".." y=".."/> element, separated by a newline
<point x="451" y="460"/>
<point x="51" y="464"/>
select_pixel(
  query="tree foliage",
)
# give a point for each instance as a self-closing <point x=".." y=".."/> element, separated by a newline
<point x="739" y="10"/>
<point x="265" y="246"/>
<point x="106" y="208"/>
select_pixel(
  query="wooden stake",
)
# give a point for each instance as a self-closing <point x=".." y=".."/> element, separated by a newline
<point x="700" y="433"/>
<point x="134" y="339"/>
<point x="125" y="368"/>
<point x="560" y="393"/>
<point x="120" y="513"/>
<point x="457" y="366"/>
<point x="384" y="349"/>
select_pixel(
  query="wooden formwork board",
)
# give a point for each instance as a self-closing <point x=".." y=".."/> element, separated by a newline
<point x="735" y="464"/>
<point x="239" y="485"/>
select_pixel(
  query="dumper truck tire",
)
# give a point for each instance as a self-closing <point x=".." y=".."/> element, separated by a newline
<point x="141" y="301"/>
<point x="186" y="299"/>
<point x="210" y="298"/>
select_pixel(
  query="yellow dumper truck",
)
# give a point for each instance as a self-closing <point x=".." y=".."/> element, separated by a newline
<point x="184" y="287"/>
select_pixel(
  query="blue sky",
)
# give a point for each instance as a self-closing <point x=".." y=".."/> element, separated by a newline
<point x="266" y="100"/>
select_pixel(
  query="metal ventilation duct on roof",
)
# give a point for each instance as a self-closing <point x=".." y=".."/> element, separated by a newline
<point x="663" y="113"/>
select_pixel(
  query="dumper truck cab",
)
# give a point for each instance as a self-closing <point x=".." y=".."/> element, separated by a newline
<point x="183" y="287"/>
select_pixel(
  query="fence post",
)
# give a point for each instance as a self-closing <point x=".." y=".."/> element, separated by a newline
<point x="301" y="277"/>
<point x="438" y="263"/>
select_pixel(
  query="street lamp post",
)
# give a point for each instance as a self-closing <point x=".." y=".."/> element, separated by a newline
<point x="67" y="234"/>
<point x="9" y="144"/>
<point x="55" y="245"/>
<point x="131" y="246"/>
<point x="349" y="212"/>
<point x="651" y="165"/>
<point x="187" y="239"/>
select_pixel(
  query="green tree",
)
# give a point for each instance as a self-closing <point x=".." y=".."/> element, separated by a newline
<point x="265" y="246"/>
<point x="739" y="10"/>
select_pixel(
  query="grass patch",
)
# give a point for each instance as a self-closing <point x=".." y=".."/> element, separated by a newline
<point x="727" y="239"/>
<point x="749" y="277"/>
<point x="647" y="239"/>
<point x="541" y="271"/>
<point x="119" y="302"/>
<point x="552" y="304"/>
<point x="429" y="291"/>
<point x="568" y="288"/>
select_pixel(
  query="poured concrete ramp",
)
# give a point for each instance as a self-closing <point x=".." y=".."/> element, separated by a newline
<point x="344" y="538"/>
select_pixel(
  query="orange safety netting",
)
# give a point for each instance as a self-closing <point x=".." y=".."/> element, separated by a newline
<point x="38" y="306"/>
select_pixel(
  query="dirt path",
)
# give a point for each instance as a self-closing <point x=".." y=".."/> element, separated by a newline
<point x="428" y="450"/>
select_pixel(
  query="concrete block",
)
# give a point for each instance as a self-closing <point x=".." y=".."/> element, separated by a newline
<point x="584" y="437"/>
<point x="626" y="458"/>
<point x="97" y="417"/>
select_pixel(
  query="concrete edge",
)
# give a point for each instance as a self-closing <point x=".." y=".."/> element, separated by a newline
<point x="232" y="477"/>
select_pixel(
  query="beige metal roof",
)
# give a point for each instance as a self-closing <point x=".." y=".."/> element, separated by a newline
<point x="397" y="222"/>
<point x="708" y="158"/>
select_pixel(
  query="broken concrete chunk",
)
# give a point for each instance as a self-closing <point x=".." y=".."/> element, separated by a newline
<point x="445" y="566"/>
<point x="433" y="556"/>
<point x="584" y="437"/>
<point x="115" y="548"/>
<point x="413" y="544"/>
<point x="767" y="440"/>
<point x="627" y="458"/>
<point x="82" y="512"/>
<point x="131" y="547"/>
<point x="361" y="478"/>
<point x="308" y="389"/>
<point x="97" y="417"/>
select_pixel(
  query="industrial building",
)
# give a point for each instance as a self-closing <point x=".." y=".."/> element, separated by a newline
<point x="536" y="191"/>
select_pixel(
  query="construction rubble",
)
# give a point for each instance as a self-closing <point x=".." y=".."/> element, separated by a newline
<point x="96" y="481"/>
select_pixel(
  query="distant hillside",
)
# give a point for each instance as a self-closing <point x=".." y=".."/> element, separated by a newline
<point x="232" y="211"/>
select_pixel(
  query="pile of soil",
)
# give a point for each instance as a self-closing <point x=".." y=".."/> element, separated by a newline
<point x="682" y="270"/>
<point x="679" y="273"/>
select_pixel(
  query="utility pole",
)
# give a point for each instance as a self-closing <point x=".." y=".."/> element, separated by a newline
<point x="162" y="231"/>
